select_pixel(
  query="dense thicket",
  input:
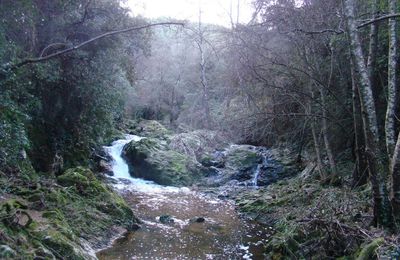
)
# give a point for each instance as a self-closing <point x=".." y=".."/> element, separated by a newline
<point x="60" y="109"/>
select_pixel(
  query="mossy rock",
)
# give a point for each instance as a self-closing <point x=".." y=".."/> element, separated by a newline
<point x="62" y="246"/>
<point x="148" y="128"/>
<point x="242" y="157"/>
<point x="197" y="143"/>
<point x="83" y="179"/>
<point x="138" y="151"/>
<point x="81" y="207"/>
<point x="369" y="250"/>
<point x="151" y="159"/>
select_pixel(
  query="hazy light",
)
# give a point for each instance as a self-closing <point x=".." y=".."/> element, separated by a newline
<point x="213" y="11"/>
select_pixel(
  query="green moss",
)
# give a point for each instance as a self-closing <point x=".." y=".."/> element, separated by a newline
<point x="82" y="208"/>
<point x="61" y="246"/>
<point x="153" y="160"/>
<point x="243" y="158"/>
<point x="83" y="179"/>
<point x="369" y="250"/>
<point x="147" y="128"/>
<point x="72" y="178"/>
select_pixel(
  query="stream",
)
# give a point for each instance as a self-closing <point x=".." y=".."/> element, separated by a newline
<point x="180" y="223"/>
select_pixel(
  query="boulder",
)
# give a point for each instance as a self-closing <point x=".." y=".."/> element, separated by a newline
<point x="151" y="159"/>
<point x="197" y="220"/>
<point x="197" y="143"/>
<point x="166" y="219"/>
<point x="148" y="128"/>
<point x="105" y="167"/>
<point x="242" y="160"/>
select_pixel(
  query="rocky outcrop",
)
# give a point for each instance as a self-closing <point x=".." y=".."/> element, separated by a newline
<point x="185" y="158"/>
<point x="247" y="165"/>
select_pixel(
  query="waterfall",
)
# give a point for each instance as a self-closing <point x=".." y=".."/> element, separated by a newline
<point x="256" y="174"/>
<point x="121" y="170"/>
<point x="259" y="167"/>
<point x="119" y="166"/>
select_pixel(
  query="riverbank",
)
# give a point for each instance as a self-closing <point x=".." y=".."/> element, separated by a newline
<point x="311" y="220"/>
<point x="68" y="216"/>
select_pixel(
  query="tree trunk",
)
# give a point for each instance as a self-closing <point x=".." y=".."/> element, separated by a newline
<point x="316" y="141"/>
<point x="360" y="173"/>
<point x="373" y="70"/>
<point x="376" y="162"/>
<point x="203" y="77"/>
<point x="328" y="147"/>
<point x="325" y="132"/>
<point x="395" y="170"/>
<point x="393" y="147"/>
<point x="390" y="123"/>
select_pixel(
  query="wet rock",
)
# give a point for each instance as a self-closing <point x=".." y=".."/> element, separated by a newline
<point x="238" y="162"/>
<point x="105" y="167"/>
<point x="152" y="159"/>
<point x="166" y="219"/>
<point x="197" y="220"/>
<point x="214" y="160"/>
<point x="134" y="227"/>
<point x="7" y="252"/>
<point x="197" y="143"/>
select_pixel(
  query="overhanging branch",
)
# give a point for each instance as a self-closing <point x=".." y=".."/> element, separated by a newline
<point x="378" y="19"/>
<point x="75" y="47"/>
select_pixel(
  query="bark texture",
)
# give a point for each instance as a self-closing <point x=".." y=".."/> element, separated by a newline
<point x="375" y="159"/>
<point x="395" y="170"/>
<point x="360" y="173"/>
<point x="390" y="122"/>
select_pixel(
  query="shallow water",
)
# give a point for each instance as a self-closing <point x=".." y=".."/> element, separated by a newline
<point x="223" y="234"/>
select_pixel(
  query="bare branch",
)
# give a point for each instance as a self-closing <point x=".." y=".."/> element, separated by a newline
<point x="53" y="45"/>
<point x="75" y="47"/>
<point x="378" y="19"/>
<point x="337" y="31"/>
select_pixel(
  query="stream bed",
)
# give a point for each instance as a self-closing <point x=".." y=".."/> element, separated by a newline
<point x="180" y="223"/>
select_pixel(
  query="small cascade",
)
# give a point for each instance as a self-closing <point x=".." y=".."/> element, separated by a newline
<point x="119" y="166"/>
<point x="260" y="166"/>
<point x="121" y="170"/>
<point x="256" y="174"/>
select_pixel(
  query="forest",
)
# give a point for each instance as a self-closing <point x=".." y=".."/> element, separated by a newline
<point x="129" y="137"/>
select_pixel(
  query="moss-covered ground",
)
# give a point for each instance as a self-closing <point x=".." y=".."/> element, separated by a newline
<point x="311" y="221"/>
<point x="64" y="217"/>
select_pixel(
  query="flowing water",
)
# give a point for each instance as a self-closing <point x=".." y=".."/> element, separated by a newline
<point x="197" y="226"/>
<point x="259" y="167"/>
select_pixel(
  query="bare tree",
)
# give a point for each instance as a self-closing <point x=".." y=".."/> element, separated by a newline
<point x="376" y="164"/>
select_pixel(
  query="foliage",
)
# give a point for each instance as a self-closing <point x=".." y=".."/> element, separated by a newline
<point x="64" y="107"/>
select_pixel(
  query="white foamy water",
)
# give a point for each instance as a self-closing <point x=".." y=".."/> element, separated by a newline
<point x="121" y="170"/>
